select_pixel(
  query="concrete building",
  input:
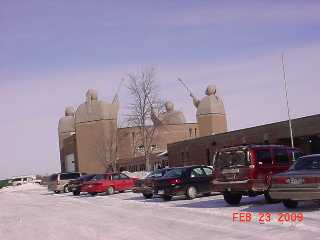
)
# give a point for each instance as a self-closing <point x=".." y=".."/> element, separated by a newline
<point x="66" y="132"/>
<point x="91" y="142"/>
<point x="96" y="134"/>
<point x="211" y="115"/>
<point x="201" y="150"/>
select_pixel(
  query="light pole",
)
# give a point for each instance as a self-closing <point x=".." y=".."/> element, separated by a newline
<point x="287" y="101"/>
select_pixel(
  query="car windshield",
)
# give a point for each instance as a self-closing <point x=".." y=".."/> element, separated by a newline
<point x="306" y="163"/>
<point x="232" y="158"/>
<point x="177" y="172"/>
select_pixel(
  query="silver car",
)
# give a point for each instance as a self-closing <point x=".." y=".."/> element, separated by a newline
<point x="301" y="182"/>
<point x="58" y="182"/>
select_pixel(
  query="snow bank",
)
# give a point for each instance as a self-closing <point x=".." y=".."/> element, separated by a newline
<point x="23" y="187"/>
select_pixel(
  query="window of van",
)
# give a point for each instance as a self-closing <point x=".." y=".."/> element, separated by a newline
<point x="281" y="156"/>
<point x="264" y="156"/>
<point x="67" y="176"/>
<point x="53" y="177"/>
<point x="232" y="158"/>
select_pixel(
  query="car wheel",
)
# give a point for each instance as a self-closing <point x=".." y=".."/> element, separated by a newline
<point x="110" y="190"/>
<point x="232" y="198"/>
<point x="167" y="197"/>
<point x="290" y="203"/>
<point x="66" y="189"/>
<point x="147" y="195"/>
<point x="57" y="192"/>
<point x="76" y="193"/>
<point x="191" y="192"/>
<point x="93" y="194"/>
<point x="269" y="199"/>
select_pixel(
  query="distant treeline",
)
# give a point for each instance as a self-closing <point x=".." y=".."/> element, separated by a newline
<point x="4" y="183"/>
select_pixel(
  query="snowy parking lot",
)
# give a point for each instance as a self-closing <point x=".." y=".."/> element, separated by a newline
<point x="31" y="212"/>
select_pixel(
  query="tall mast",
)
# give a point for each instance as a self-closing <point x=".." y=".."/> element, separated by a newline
<point x="287" y="101"/>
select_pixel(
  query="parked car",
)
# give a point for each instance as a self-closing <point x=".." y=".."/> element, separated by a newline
<point x="59" y="182"/>
<point x="108" y="183"/>
<point x="189" y="181"/>
<point x="247" y="170"/>
<point x="145" y="186"/>
<point x="300" y="182"/>
<point x="75" y="185"/>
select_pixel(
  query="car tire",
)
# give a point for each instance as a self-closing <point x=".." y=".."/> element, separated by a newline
<point x="167" y="197"/>
<point x="110" y="190"/>
<point x="76" y="193"/>
<point x="232" y="198"/>
<point x="191" y="192"/>
<point x="93" y="194"/>
<point x="147" y="195"/>
<point x="269" y="199"/>
<point x="290" y="204"/>
<point x="57" y="192"/>
<point x="66" y="189"/>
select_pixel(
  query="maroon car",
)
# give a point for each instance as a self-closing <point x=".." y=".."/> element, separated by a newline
<point x="247" y="170"/>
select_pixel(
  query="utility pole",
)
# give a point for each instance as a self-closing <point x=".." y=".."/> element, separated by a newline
<point x="287" y="101"/>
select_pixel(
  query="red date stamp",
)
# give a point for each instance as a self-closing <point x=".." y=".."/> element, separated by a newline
<point x="267" y="217"/>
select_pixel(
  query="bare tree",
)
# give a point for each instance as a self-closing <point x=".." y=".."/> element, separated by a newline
<point x="106" y="146"/>
<point x="143" y="91"/>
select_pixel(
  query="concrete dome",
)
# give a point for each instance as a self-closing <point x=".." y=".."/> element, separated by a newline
<point x="94" y="109"/>
<point x="210" y="105"/>
<point x="66" y="123"/>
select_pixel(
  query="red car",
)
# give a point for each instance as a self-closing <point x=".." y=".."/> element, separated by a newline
<point x="108" y="183"/>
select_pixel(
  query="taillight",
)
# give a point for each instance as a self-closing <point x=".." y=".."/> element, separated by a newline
<point x="311" y="180"/>
<point x="175" y="181"/>
<point x="280" y="180"/>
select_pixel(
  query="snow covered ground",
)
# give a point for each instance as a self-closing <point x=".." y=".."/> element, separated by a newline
<point x="31" y="212"/>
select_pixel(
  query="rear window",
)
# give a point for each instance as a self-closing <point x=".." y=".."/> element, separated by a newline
<point x="263" y="156"/>
<point x="157" y="173"/>
<point x="234" y="158"/>
<point x="281" y="156"/>
<point x="177" y="172"/>
<point x="99" y="177"/>
<point x="307" y="163"/>
<point x="86" y="177"/>
<point x="66" y="176"/>
<point x="53" y="177"/>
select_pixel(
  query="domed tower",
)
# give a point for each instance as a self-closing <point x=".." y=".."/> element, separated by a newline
<point x="67" y="145"/>
<point x="211" y="115"/>
<point x="96" y="132"/>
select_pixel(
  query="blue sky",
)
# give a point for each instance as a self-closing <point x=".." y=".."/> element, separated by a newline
<point x="52" y="51"/>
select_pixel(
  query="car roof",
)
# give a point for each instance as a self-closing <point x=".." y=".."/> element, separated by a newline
<point x="244" y="147"/>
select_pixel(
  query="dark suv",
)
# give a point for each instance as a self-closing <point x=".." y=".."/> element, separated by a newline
<point x="247" y="170"/>
<point x="189" y="181"/>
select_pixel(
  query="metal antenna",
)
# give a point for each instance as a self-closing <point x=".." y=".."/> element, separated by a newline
<point x="183" y="84"/>
<point x="118" y="88"/>
<point x="287" y="101"/>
